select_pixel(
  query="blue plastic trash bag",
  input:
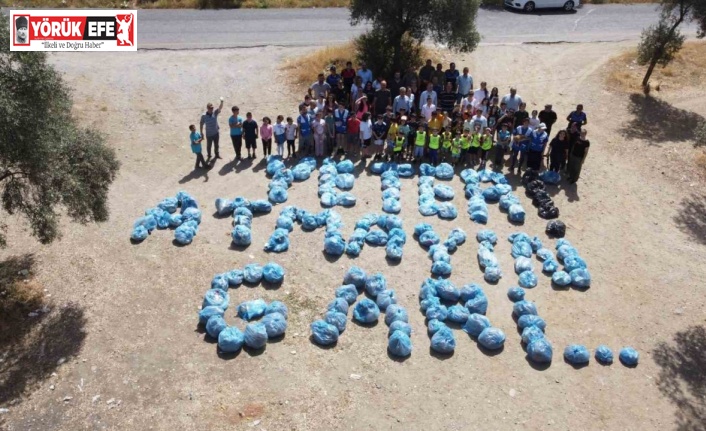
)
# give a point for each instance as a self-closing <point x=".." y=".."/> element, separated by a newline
<point x="503" y="189"/>
<point x="486" y="244"/>
<point x="486" y="235"/>
<point x="576" y="354"/>
<point x="273" y="166"/>
<point x="476" y="324"/>
<point x="260" y="206"/>
<point x="277" y="183"/>
<point x="346" y="199"/>
<point x="375" y="284"/>
<point x="545" y="254"/>
<point x="478" y="304"/>
<point x="516" y="294"/>
<point x="278" y="242"/>
<point x="399" y="325"/>
<point x="397" y="233"/>
<point x="507" y="201"/>
<point x="184" y="234"/>
<point x="242" y="211"/>
<point x="580" y="278"/>
<point x="458" y="235"/>
<point x="447" y="291"/>
<point x="139" y="233"/>
<point x="285" y="175"/>
<point x="492" y="274"/>
<point x="491" y="194"/>
<point x="234" y="277"/>
<point x="429" y="238"/>
<point x="629" y="356"/>
<point x="443" y="341"/>
<point x="336" y="319"/>
<point x="519" y="236"/>
<point x="255" y="335"/>
<point x="391" y="222"/>
<point x="217" y="298"/>
<point x="338" y="304"/>
<point x="309" y="161"/>
<point x="366" y="311"/>
<point x="208" y="312"/>
<point x="528" y="280"/>
<point x="355" y="276"/>
<point x="220" y="281"/>
<point x="381" y="221"/>
<point x="444" y="171"/>
<point x="480" y="216"/>
<point x="527" y="320"/>
<point x="430" y="301"/>
<point x="441" y="268"/>
<point x="425" y="181"/>
<point x="520" y="308"/>
<point x="275" y="324"/>
<point x="540" y="351"/>
<point x="427" y="170"/>
<point x="241" y="235"/>
<point x="399" y="344"/>
<point x="273" y="273"/>
<point x="438" y="312"/>
<point x="470" y="291"/>
<point x="469" y="176"/>
<point x="301" y="172"/>
<point x="251" y="310"/>
<point x="565" y="251"/>
<point x="345" y="181"/>
<point x="486" y="258"/>
<point x="385" y="298"/>
<point x="185" y="200"/>
<point x="327" y="188"/>
<point x="405" y="170"/>
<point x="561" y="278"/>
<point x="562" y="242"/>
<point x="550" y="177"/>
<point x="308" y="221"/>
<point x="447" y="211"/>
<point x="390" y="183"/>
<point x="531" y="333"/>
<point x="394" y="313"/>
<point x="277" y="195"/>
<point x="521" y="248"/>
<point x="492" y="338"/>
<point x="169" y="205"/>
<point x="486" y="175"/>
<point x="378" y="168"/>
<point x="516" y="213"/>
<point x="243" y="221"/>
<point x="163" y="218"/>
<point x="149" y="222"/>
<point x="192" y="213"/>
<point x="550" y="266"/>
<point x="450" y="245"/>
<point x="458" y="314"/>
<point x="252" y="273"/>
<point x="428" y="210"/>
<point x="334" y="245"/>
<point x="574" y="262"/>
<point x="175" y="220"/>
<point x="604" y="354"/>
<point x="284" y="222"/>
<point x="376" y="238"/>
<point x="498" y="177"/>
<point x="277" y="307"/>
<point x="391" y="206"/>
<point x="345" y="167"/>
<point x="230" y="339"/>
<point x="391" y="193"/>
<point x="420" y="228"/>
<point x="329" y="199"/>
<point x="442" y="191"/>
<point x="434" y="325"/>
<point x="472" y="190"/>
<point x="347" y="292"/>
<point x="523" y="264"/>
<point x="215" y="325"/>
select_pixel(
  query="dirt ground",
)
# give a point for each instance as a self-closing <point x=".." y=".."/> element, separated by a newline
<point x="134" y="359"/>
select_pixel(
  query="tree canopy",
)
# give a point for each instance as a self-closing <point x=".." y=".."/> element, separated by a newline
<point x="48" y="164"/>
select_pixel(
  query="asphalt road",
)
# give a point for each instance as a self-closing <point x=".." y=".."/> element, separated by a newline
<point x="189" y="29"/>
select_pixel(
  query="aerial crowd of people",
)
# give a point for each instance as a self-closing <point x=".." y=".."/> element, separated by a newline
<point x="430" y="115"/>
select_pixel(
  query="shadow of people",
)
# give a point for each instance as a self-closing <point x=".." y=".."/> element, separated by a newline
<point x="656" y="121"/>
<point x="227" y="168"/>
<point x="691" y="219"/>
<point x="683" y="376"/>
<point x="196" y="174"/>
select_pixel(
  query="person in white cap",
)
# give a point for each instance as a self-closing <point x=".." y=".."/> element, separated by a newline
<point x="538" y="140"/>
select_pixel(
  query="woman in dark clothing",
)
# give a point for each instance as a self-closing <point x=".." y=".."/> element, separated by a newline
<point x="369" y="90"/>
<point x="573" y="134"/>
<point x="493" y="95"/>
<point x="558" y="149"/>
<point x="577" y="156"/>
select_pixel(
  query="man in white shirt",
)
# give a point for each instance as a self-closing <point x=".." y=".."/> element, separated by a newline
<point x="512" y="100"/>
<point x="429" y="92"/>
<point x="465" y="84"/>
<point x="401" y="102"/>
<point x="480" y="94"/>
<point x="365" y="74"/>
<point x="428" y="109"/>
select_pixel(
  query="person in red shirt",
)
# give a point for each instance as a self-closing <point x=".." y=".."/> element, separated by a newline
<point x="348" y="76"/>
<point x="353" y="132"/>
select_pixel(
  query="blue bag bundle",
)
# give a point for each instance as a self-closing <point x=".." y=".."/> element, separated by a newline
<point x="446" y="290"/>
<point x="485" y="176"/>
<point x="273" y="273"/>
<point x="215" y="325"/>
<point x="476" y="203"/>
<point x="550" y="177"/>
<point x="251" y="310"/>
<point x="550" y="266"/>
<point x="561" y="278"/>
<point x="531" y="333"/>
<point x="348" y="292"/>
<point x="163" y="218"/>
<point x="242" y="211"/>
<point x="536" y="244"/>
<point x="458" y="235"/>
<point x="439" y="253"/>
<point x="261" y="206"/>
<point x="149" y="222"/>
<point x="243" y="221"/>
<point x="273" y="166"/>
<point x="230" y="339"/>
<point x="562" y="242"/>
<point x="327" y="169"/>
<point x="444" y="171"/>
<point x="391" y="206"/>
<point x="507" y="201"/>
<point x="284" y="222"/>
<point x="458" y="314"/>
<point x="355" y="276"/>
<point x="277" y="307"/>
<point x="378" y="168"/>
<point x="433" y="326"/>
<point x="476" y="324"/>
<point x="491" y="194"/>
<point x="393" y="250"/>
<point x="376" y="238"/>
<point x="492" y="274"/>
<point x="241" y="235"/>
<point x="277" y="183"/>
<point x="277" y="195"/>
<point x="336" y="319"/>
<point x="191" y="213"/>
<point x="450" y="245"/>
<point x="442" y="191"/>
<point x="399" y="344"/>
<point x="391" y="193"/>
<point x="443" y="341"/>
<point x="516" y="293"/>
<point x="208" y="312"/>
<point x="252" y="273"/>
<point x="390" y="183"/>
<point x="519" y="236"/>
<point x="399" y="325"/>
<point x="381" y="221"/>
<point x="182" y="196"/>
<point x="384" y="299"/>
<point x="255" y="335"/>
<point x="521" y="308"/>
<point x="364" y="224"/>
<point x="438" y="312"/>
<point x="576" y="354"/>
<point x="503" y="189"/>
<point x="427" y="170"/>
<point x="470" y="291"/>
<point x="516" y="213"/>
<point x="391" y="222"/>
<point x="580" y="278"/>
<point x="545" y="254"/>
<point x="486" y="258"/>
<point x="441" y="268"/>
<point x="329" y="188"/>
<point x="184" y="234"/>
<point x="139" y="233"/>
<point x="492" y="338"/>
<point x="429" y="238"/>
<point x="486" y="235"/>
<point x="521" y="248"/>
<point x="428" y="289"/>
<point x="523" y="264"/>
<point x="234" y="277"/>
<point x="186" y="201"/>
<point x="175" y="220"/>
<point x="428" y="210"/>
<point x="469" y="176"/>
<point x="472" y="190"/>
<point x="366" y="311"/>
<point x="394" y="313"/>
<point x="338" y="304"/>
<point x="574" y="262"/>
<point x="220" y="281"/>
<point x="309" y="221"/>
<point x="540" y="351"/>
<point x="345" y="181"/>
<point x="431" y="301"/>
<point x="498" y="177"/>
<point x="397" y="232"/>
<point x="309" y="161"/>
<point x="346" y="199"/>
<point x="334" y="245"/>
<point x="565" y="251"/>
<point x="301" y="172"/>
<point x="425" y="181"/>
<point x="604" y="355"/>
<point x="527" y="320"/>
<point x="480" y="216"/>
<point x="217" y="298"/>
<point x="329" y="199"/>
<point x="629" y="356"/>
<point x="278" y="242"/>
<point x="447" y="211"/>
<point x="478" y="304"/>
<point x="528" y="280"/>
<point x="487" y="245"/>
<point x="420" y="228"/>
<point x="275" y="325"/>
<point x="169" y="205"/>
<point x="375" y="284"/>
<point x="345" y="167"/>
<point x="405" y="170"/>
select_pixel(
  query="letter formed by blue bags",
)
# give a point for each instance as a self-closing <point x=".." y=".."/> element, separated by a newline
<point x="540" y="351"/>
<point x="492" y="338"/>
<point x="576" y="354"/>
<point x="443" y="341"/>
<point x="399" y="344"/>
<point x="366" y="311"/>
<point x="323" y="333"/>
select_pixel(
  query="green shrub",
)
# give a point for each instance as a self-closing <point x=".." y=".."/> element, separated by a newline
<point x="219" y="4"/>
<point x="374" y="48"/>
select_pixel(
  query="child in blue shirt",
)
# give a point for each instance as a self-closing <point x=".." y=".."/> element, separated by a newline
<point x="196" y="138"/>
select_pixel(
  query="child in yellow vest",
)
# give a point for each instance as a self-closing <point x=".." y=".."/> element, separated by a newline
<point x="486" y="143"/>
<point x="446" y="138"/>
<point x="434" y="144"/>
<point x="475" y="146"/>
<point x="465" y="147"/>
<point x="419" y="142"/>
<point x="455" y="150"/>
<point x="400" y="142"/>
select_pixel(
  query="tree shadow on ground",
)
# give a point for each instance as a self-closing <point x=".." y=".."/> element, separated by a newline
<point x="692" y="217"/>
<point x="656" y="121"/>
<point x="683" y="376"/>
<point x="32" y="344"/>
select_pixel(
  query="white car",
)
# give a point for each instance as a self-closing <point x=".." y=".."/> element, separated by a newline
<point x="531" y="5"/>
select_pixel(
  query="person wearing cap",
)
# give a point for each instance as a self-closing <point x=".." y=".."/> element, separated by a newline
<point x="21" y="33"/>
<point x="538" y="141"/>
<point x="548" y="117"/>
<point x="512" y="100"/>
<point x="333" y="78"/>
<point x="320" y="87"/>
<point x="210" y="120"/>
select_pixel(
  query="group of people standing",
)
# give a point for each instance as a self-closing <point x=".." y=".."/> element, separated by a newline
<point x="448" y="121"/>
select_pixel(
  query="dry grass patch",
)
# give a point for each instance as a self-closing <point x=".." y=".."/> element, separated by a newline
<point x="688" y="69"/>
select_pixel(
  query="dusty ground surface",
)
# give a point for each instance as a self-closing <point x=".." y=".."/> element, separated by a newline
<point x="635" y="215"/>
